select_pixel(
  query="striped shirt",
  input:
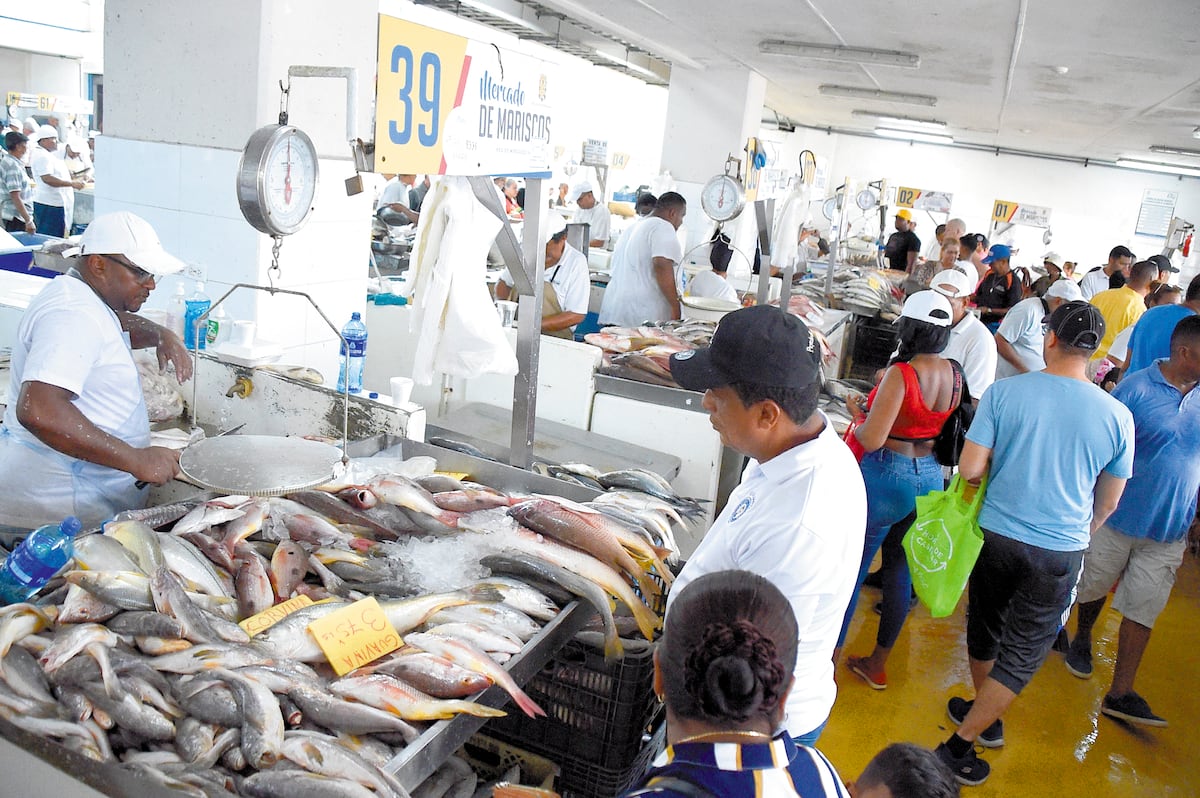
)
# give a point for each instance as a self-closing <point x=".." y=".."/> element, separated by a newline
<point x="13" y="178"/>
<point x="779" y="769"/>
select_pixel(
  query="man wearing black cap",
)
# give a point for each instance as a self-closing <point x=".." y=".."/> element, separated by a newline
<point x="799" y="515"/>
<point x="1165" y="267"/>
<point x="1054" y="478"/>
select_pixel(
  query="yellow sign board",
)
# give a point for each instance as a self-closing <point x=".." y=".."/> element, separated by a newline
<point x="450" y="105"/>
<point x="257" y="624"/>
<point x="355" y="635"/>
<point x="1019" y="213"/>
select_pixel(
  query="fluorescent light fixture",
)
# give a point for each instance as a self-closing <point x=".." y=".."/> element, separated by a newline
<point x="911" y="135"/>
<point x="836" y="52"/>
<point x="854" y="93"/>
<point x="1165" y="150"/>
<point x="627" y="64"/>
<point x="504" y="16"/>
<point x="1155" y="166"/>
<point x="891" y="120"/>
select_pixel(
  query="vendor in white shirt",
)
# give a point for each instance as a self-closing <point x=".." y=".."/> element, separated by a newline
<point x="798" y="517"/>
<point x="714" y="284"/>
<point x="593" y="212"/>
<point x="971" y="342"/>
<point x="395" y="197"/>
<point x="54" y="190"/>
<point x="76" y="437"/>
<point x="568" y="286"/>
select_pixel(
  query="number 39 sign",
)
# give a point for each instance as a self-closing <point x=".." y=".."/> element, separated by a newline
<point x="450" y="105"/>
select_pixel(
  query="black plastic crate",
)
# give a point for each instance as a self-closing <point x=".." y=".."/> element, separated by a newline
<point x="597" y="710"/>
<point x="581" y="779"/>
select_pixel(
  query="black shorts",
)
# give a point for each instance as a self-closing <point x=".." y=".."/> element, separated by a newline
<point x="1019" y="597"/>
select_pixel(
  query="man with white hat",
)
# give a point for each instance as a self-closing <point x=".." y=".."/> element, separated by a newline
<point x="1051" y="271"/>
<point x="971" y="343"/>
<point x="593" y="212"/>
<point x="53" y="193"/>
<point x="568" y="286"/>
<point x="1020" y="337"/>
<point x="76" y="437"/>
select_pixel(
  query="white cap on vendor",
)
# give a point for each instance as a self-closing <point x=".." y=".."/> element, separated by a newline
<point x="123" y="233"/>
<point x="1065" y="289"/>
<point x="44" y="132"/>
<point x="954" y="283"/>
<point x="554" y="224"/>
<point x="579" y="190"/>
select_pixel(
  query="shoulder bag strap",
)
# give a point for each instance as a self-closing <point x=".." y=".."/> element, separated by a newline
<point x="677" y="784"/>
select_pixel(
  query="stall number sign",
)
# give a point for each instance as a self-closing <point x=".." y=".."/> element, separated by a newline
<point x="446" y="104"/>
<point x="1014" y="213"/>
<point x="921" y="200"/>
<point x="620" y="160"/>
<point x="49" y="102"/>
<point x="355" y="635"/>
<point x="595" y="152"/>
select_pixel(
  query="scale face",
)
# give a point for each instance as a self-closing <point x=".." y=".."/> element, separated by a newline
<point x="866" y="199"/>
<point x="723" y="198"/>
<point x="277" y="179"/>
<point x="829" y="208"/>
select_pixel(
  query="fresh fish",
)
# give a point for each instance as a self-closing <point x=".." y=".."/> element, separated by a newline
<point x="140" y="541"/>
<point x="453" y="779"/>
<point x="488" y="640"/>
<point x="25" y="677"/>
<point x="522" y="596"/>
<point x="90" y="638"/>
<point x="468" y="500"/>
<point x="300" y="784"/>
<point x="151" y="624"/>
<point x="18" y="621"/>
<point x="357" y="498"/>
<point x="211" y="701"/>
<point x="583" y="470"/>
<point x="469" y="657"/>
<point x="262" y="722"/>
<point x="586" y="532"/>
<point x="212" y="549"/>
<point x="439" y="483"/>
<point x="128" y="590"/>
<point x="131" y="714"/>
<point x="254" y="591"/>
<point x="651" y="484"/>
<point x="350" y="717"/>
<point x="92" y="738"/>
<point x="325" y="756"/>
<point x="289" y="564"/>
<point x="192" y="566"/>
<point x="205" y="516"/>
<point x="242" y="527"/>
<point x="405" y="701"/>
<point x="501" y="616"/>
<point x="103" y="553"/>
<point x="403" y="492"/>
<point x="461" y="447"/>
<point x="198" y="626"/>
<point x="81" y="606"/>
<point x="433" y="675"/>
<point x="210" y="656"/>
<point x="530" y="566"/>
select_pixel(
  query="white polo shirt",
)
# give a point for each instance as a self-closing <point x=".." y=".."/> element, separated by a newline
<point x="798" y="520"/>
<point x="44" y="163"/>
<point x="972" y="345"/>
<point x="598" y="217"/>
<point x="1093" y="283"/>
<point x="570" y="280"/>
<point x="633" y="296"/>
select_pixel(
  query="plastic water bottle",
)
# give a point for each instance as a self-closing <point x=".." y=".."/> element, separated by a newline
<point x="196" y="306"/>
<point x="177" y="310"/>
<point x="39" y="557"/>
<point x="350" y="364"/>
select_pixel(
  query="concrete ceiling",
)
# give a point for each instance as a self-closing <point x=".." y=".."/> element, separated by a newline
<point x="1132" y="76"/>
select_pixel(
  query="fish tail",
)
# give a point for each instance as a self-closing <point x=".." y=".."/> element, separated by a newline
<point x="527" y="704"/>
<point x="479" y="710"/>
<point x="449" y="518"/>
<point x="613" y="649"/>
<point x="650" y="590"/>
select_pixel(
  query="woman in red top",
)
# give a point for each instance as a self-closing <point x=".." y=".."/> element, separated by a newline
<point x="905" y="413"/>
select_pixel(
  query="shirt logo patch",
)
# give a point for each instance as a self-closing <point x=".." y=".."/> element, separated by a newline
<point x="685" y="355"/>
<point x="744" y="505"/>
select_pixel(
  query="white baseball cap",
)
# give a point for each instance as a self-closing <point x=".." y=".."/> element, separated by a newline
<point x="928" y="306"/>
<point x="1052" y="257"/>
<point x="44" y="132"/>
<point x="123" y="233"/>
<point x="580" y="190"/>
<point x="1065" y="289"/>
<point x="954" y="283"/>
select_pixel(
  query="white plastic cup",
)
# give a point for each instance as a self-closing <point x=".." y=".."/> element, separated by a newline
<point x="507" y="311"/>
<point x="402" y="388"/>
<point x="243" y="333"/>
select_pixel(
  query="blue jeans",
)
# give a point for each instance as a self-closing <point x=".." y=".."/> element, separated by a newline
<point x="893" y="484"/>
<point x="51" y="220"/>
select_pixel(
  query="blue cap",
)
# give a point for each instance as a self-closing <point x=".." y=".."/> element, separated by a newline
<point x="70" y="526"/>
<point x="998" y="252"/>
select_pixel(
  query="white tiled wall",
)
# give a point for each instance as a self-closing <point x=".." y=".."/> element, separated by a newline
<point x="188" y="194"/>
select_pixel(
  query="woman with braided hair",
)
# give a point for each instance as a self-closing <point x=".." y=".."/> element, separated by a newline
<point x="724" y="667"/>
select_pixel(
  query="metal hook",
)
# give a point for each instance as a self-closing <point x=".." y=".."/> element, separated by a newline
<point x="284" y="99"/>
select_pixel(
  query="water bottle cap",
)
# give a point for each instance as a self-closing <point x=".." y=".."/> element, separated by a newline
<point x="355" y="316"/>
<point x="373" y="395"/>
<point x="70" y="526"/>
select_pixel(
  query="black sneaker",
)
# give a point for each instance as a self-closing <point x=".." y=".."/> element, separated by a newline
<point x="1131" y="707"/>
<point x="1079" y="661"/>
<point x="912" y="602"/>
<point x="969" y="769"/>
<point x="874" y="579"/>
<point x="991" y="737"/>
<point x="1062" y="643"/>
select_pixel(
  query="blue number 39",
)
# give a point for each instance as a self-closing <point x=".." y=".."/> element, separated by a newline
<point x="429" y="77"/>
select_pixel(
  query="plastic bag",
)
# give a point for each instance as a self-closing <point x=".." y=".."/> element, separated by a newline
<point x="943" y="544"/>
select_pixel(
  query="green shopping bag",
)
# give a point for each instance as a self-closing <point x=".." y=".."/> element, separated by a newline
<point x="943" y="544"/>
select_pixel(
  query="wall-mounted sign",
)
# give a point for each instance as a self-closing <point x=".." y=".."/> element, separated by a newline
<point x="1156" y="212"/>
<point x="446" y="104"/>
<point x="620" y="160"/>
<point x="595" y="152"/>
<point x="1019" y="213"/>
<point x="47" y="103"/>
<point x="921" y="200"/>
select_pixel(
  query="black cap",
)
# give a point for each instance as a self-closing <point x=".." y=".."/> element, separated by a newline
<point x="1163" y="263"/>
<point x="761" y="345"/>
<point x="1077" y="324"/>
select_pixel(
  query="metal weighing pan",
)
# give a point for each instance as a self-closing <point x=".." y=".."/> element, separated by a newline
<point x="259" y="465"/>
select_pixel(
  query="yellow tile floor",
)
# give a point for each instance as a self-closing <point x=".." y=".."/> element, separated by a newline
<point x="1057" y="742"/>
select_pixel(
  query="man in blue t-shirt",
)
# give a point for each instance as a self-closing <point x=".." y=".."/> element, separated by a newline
<point x="1144" y="540"/>
<point x="1054" y="478"/>
<point x="1151" y="339"/>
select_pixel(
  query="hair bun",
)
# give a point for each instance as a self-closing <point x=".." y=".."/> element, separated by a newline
<point x="734" y="671"/>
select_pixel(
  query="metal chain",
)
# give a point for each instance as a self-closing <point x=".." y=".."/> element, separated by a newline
<point x="274" y="272"/>
<point x="285" y="96"/>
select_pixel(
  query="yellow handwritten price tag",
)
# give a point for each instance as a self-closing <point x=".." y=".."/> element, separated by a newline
<point x="355" y="635"/>
<point x="257" y="624"/>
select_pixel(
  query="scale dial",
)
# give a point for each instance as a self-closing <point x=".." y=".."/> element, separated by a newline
<point x="829" y="208"/>
<point x="277" y="179"/>
<point x="866" y="199"/>
<point x="723" y="198"/>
